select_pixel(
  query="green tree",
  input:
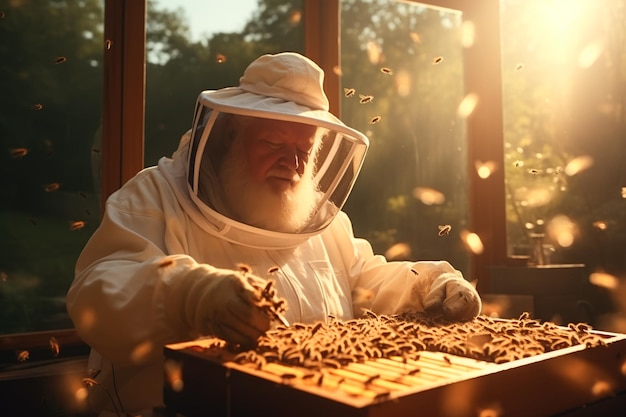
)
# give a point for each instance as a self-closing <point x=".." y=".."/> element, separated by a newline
<point x="50" y="110"/>
<point x="419" y="140"/>
<point x="180" y="68"/>
<point x="557" y="109"/>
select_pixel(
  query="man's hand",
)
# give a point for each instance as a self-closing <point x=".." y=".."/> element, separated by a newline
<point x="453" y="297"/>
<point x="224" y="303"/>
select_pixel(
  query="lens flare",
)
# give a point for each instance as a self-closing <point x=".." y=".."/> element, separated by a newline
<point x="485" y="169"/>
<point x="562" y="230"/>
<point x="141" y="352"/>
<point x="604" y="280"/>
<point x="398" y="251"/>
<point x="578" y="165"/>
<point x="174" y="375"/>
<point x="429" y="196"/>
<point x="468" y="33"/>
<point x="467" y="105"/>
<point x="473" y="242"/>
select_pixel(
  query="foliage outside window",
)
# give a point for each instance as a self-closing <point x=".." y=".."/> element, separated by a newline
<point x="402" y="81"/>
<point x="564" y="78"/>
<point x="180" y="67"/>
<point x="564" y="72"/>
<point x="50" y="111"/>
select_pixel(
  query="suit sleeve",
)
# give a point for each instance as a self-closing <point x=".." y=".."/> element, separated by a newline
<point x="381" y="286"/>
<point x="119" y="299"/>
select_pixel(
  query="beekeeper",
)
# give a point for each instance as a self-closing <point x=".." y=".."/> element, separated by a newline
<point x="259" y="180"/>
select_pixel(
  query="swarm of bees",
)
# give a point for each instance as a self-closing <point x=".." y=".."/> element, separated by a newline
<point x="267" y="296"/>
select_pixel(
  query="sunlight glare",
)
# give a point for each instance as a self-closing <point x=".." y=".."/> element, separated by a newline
<point x="467" y="105"/>
<point x="590" y="54"/>
<point x="562" y="230"/>
<point x="429" y="196"/>
<point x="604" y="280"/>
<point x="578" y="164"/>
<point x="473" y="242"/>
<point x="398" y="251"/>
<point x="485" y="169"/>
<point x="467" y="34"/>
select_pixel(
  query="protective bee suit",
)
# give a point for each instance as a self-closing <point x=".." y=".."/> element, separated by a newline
<point x="150" y="272"/>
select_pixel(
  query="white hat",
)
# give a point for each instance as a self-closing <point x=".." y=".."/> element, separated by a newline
<point x="285" y="86"/>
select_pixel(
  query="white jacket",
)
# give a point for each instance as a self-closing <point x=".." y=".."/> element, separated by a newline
<point x="152" y="234"/>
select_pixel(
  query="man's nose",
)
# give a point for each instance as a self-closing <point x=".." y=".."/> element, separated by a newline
<point x="290" y="159"/>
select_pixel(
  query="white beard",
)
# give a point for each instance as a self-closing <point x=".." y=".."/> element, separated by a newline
<point x="258" y="205"/>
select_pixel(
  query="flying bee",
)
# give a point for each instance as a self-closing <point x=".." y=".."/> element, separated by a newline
<point x="444" y="229"/>
<point x="77" y="225"/>
<point x="533" y="171"/>
<point x="37" y="106"/>
<point x="54" y="346"/>
<point x="82" y="194"/>
<point x="386" y="70"/>
<point x="272" y="270"/>
<point x="220" y="58"/>
<point x="53" y="186"/>
<point x="89" y="382"/>
<point x="108" y="44"/>
<point x="349" y="92"/>
<point x="18" y="152"/>
<point x="374" y="120"/>
<point x="437" y="60"/>
<point x="519" y="67"/>
<point x="2" y="14"/>
<point x="23" y="355"/>
<point x="365" y="98"/>
<point x="60" y="60"/>
<point x="245" y="268"/>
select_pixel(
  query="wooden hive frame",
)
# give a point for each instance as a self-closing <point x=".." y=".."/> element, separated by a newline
<point x="433" y="384"/>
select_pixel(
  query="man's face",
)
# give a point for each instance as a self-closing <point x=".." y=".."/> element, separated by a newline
<point x="268" y="174"/>
<point x="277" y="152"/>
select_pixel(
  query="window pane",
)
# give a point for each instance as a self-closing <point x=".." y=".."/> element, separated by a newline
<point x="205" y="45"/>
<point x="564" y="71"/>
<point x="408" y="58"/>
<point x="51" y="89"/>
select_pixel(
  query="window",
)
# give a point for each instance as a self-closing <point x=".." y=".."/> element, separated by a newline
<point x="402" y="78"/>
<point x="203" y="46"/>
<point x="564" y="101"/>
<point x="564" y="72"/>
<point x="50" y="121"/>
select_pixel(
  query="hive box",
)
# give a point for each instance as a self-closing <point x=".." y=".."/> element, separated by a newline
<point x="435" y="384"/>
